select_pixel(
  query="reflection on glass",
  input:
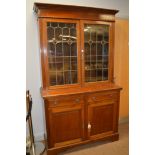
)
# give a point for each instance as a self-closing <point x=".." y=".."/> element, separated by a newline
<point x="96" y="45"/>
<point x="62" y="53"/>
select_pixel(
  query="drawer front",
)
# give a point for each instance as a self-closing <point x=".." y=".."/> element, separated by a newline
<point x="102" y="96"/>
<point x="65" y="100"/>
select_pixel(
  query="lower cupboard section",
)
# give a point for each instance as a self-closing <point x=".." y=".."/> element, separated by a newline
<point x="81" y="119"/>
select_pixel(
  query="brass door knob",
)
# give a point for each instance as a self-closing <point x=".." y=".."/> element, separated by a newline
<point x="89" y="126"/>
<point x="94" y="98"/>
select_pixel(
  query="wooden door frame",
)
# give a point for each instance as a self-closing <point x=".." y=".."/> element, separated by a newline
<point x="44" y="52"/>
<point x="111" y="51"/>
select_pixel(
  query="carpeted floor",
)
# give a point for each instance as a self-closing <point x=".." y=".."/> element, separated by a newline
<point x="120" y="147"/>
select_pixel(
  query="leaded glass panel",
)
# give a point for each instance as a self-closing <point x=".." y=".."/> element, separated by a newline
<point x="62" y="53"/>
<point x="96" y="46"/>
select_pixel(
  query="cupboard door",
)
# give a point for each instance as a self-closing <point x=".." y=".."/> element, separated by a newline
<point x="101" y="119"/>
<point x="97" y="43"/>
<point x="66" y="125"/>
<point x="62" y="60"/>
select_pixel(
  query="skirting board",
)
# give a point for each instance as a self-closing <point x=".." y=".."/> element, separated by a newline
<point x="124" y="120"/>
<point x="40" y="136"/>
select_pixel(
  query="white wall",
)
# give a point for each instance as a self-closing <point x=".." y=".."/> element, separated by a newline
<point x="33" y="71"/>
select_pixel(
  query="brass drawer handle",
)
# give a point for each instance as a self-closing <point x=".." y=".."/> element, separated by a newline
<point x="77" y="100"/>
<point x="94" y="98"/>
<point x="55" y="102"/>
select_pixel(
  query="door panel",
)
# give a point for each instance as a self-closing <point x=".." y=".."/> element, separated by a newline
<point x="101" y="118"/>
<point x="97" y="58"/>
<point x="66" y="125"/>
<point x="62" y="58"/>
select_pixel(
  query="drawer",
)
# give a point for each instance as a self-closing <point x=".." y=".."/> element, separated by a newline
<point x="102" y="96"/>
<point x="65" y="100"/>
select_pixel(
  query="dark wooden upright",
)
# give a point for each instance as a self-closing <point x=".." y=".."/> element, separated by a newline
<point x="77" y="58"/>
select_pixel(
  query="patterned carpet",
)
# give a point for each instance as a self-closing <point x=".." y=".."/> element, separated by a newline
<point x="120" y="147"/>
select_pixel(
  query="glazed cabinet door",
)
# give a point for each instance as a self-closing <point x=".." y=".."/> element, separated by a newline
<point x="102" y="116"/>
<point x="65" y="125"/>
<point x="60" y="53"/>
<point x="97" y="43"/>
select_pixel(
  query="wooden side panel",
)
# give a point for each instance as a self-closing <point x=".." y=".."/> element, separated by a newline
<point x="43" y="53"/>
